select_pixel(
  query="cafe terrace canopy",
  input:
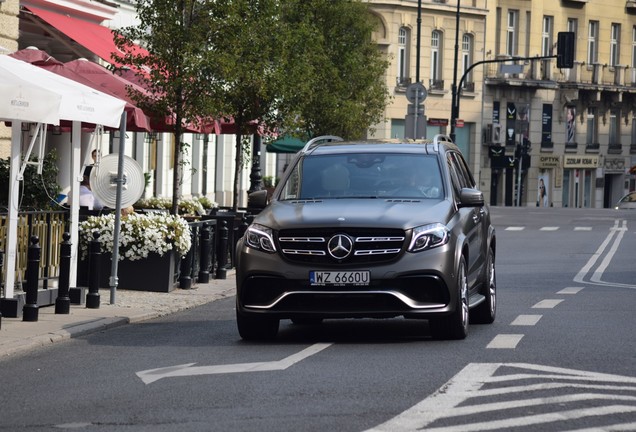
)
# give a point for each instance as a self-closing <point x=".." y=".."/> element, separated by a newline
<point x="43" y="97"/>
<point x="136" y="120"/>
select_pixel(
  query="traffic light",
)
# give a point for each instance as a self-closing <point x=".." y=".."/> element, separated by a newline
<point x="565" y="50"/>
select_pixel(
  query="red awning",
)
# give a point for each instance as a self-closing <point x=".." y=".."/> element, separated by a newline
<point x="95" y="37"/>
<point x="136" y="120"/>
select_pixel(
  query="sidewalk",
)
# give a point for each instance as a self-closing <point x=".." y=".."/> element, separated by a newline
<point x="17" y="336"/>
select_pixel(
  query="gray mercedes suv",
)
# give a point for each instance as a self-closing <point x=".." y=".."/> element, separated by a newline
<point x="369" y="229"/>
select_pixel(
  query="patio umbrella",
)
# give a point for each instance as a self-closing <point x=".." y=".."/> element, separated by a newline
<point x="136" y="120"/>
<point x="74" y="102"/>
<point x="27" y="101"/>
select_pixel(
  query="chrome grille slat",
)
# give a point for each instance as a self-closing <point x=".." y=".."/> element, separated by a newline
<point x="304" y="252"/>
<point x="376" y="252"/>
<point x="377" y="239"/>
<point x="369" y="245"/>
<point x="302" y="239"/>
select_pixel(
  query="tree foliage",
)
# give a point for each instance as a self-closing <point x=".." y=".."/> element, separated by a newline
<point x="305" y="67"/>
<point x="175" y="33"/>
<point x="343" y="67"/>
<point x="37" y="191"/>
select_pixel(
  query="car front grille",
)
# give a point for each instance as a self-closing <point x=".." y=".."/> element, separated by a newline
<point x="370" y="245"/>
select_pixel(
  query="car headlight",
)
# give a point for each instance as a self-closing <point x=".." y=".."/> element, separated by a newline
<point x="428" y="237"/>
<point x="260" y="237"/>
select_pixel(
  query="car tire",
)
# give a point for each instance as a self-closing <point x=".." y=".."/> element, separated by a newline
<point x="256" y="327"/>
<point x="455" y="325"/>
<point x="486" y="311"/>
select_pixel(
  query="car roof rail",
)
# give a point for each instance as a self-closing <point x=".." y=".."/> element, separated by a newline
<point x="319" y="139"/>
<point x="441" y="138"/>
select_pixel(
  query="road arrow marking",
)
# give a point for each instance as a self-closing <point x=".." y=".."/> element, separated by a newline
<point x="188" y="369"/>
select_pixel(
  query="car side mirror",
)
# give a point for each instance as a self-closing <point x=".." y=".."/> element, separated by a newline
<point x="469" y="197"/>
<point x="257" y="200"/>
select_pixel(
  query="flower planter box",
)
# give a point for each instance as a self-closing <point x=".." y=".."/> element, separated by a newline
<point x="155" y="273"/>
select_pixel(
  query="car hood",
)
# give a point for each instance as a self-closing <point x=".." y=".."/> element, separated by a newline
<point x="377" y="213"/>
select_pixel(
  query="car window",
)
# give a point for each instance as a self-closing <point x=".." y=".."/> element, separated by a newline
<point x="465" y="171"/>
<point x="365" y="175"/>
<point x="454" y="175"/>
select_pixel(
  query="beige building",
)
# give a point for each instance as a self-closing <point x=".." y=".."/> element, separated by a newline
<point x="580" y="121"/>
<point x="397" y="36"/>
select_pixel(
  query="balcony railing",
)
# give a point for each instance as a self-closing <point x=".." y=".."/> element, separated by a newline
<point x="541" y="72"/>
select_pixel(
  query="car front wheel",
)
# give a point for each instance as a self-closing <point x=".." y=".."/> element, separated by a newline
<point x="455" y="325"/>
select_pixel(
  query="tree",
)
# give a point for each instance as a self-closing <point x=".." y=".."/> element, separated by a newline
<point x="263" y="65"/>
<point x="344" y="67"/>
<point x="295" y="65"/>
<point x="175" y="35"/>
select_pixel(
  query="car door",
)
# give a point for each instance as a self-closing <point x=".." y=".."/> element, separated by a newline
<point x="472" y="217"/>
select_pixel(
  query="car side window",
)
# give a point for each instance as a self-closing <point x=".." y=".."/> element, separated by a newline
<point x="290" y="189"/>
<point x="465" y="171"/>
<point x="454" y="175"/>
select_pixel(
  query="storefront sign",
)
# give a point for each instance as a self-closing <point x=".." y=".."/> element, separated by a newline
<point x="580" y="161"/>
<point x="549" y="162"/>
<point x="546" y="124"/>
<point x="437" y="122"/>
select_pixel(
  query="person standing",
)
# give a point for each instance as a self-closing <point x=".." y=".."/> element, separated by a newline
<point x="87" y="198"/>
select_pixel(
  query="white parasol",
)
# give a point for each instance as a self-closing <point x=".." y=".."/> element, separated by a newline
<point x="44" y="97"/>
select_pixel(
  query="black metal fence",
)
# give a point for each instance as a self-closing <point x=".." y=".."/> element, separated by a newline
<point x="214" y="239"/>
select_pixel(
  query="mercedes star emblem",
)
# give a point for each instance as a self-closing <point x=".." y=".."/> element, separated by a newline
<point x="340" y="246"/>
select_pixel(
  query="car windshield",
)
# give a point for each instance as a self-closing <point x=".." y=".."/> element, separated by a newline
<point x="365" y="175"/>
<point x="628" y="198"/>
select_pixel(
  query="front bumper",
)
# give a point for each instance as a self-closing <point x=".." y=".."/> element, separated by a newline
<point x="419" y="285"/>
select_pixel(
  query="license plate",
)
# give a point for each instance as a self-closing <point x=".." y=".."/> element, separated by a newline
<point x="339" y="278"/>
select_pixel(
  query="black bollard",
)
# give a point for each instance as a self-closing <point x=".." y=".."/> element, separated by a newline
<point x="63" y="301"/>
<point x="94" y="259"/>
<point x="185" y="270"/>
<point x="204" y="260"/>
<point x="1" y="267"/>
<point x="221" y="271"/>
<point x="30" y="309"/>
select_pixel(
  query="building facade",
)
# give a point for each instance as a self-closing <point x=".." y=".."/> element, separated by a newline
<point x="397" y="36"/>
<point x="535" y="135"/>
<point x="532" y="133"/>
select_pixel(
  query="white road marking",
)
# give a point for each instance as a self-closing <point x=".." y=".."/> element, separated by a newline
<point x="526" y="320"/>
<point x="582" y="228"/>
<point x="505" y="341"/>
<point x="595" y="279"/>
<point x="471" y="391"/>
<point x="570" y="290"/>
<point x="547" y="304"/>
<point x="549" y="228"/>
<point x="515" y="228"/>
<point x="188" y="369"/>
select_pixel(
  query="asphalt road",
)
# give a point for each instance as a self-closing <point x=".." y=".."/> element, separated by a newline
<point x="560" y="356"/>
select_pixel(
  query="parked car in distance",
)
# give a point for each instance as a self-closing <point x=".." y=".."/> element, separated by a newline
<point x="627" y="202"/>
<point x="369" y="229"/>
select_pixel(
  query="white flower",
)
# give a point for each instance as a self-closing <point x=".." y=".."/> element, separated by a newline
<point x="139" y="234"/>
